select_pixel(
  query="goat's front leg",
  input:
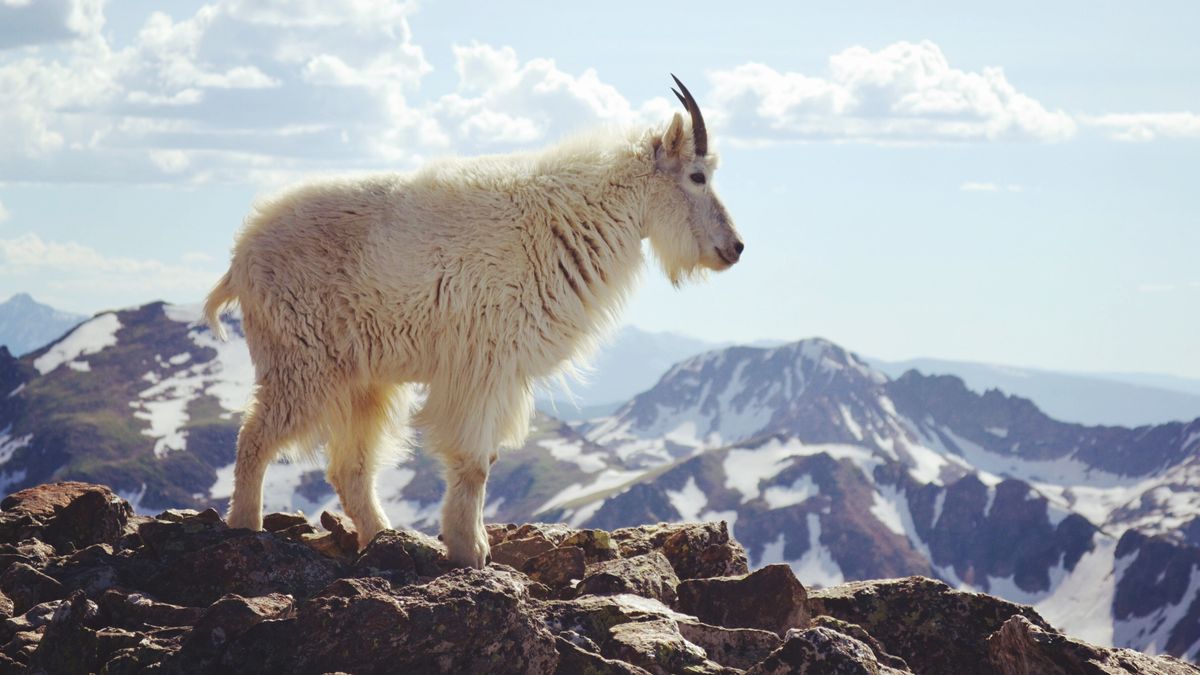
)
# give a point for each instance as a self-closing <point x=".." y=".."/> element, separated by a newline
<point x="462" y="510"/>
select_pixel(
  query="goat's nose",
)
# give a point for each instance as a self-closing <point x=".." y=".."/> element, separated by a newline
<point x="739" y="247"/>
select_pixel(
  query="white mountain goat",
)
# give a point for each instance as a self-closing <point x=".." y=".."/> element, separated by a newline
<point x="473" y="276"/>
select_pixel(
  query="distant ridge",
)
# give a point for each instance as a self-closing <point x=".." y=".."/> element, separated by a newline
<point x="26" y="324"/>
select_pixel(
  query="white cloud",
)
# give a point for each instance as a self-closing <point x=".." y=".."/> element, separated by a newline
<point x="70" y="265"/>
<point x="4" y="213"/>
<point x="1146" y="126"/>
<point x="990" y="187"/>
<point x="23" y="22"/>
<point x="904" y="92"/>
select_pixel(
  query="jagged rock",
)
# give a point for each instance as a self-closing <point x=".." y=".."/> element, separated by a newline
<point x="597" y="545"/>
<point x="734" y="647"/>
<point x="389" y="549"/>
<point x="555" y="532"/>
<point x="26" y="587"/>
<point x="137" y="610"/>
<point x="94" y="570"/>
<point x="220" y="624"/>
<point x="593" y="616"/>
<point x="770" y="598"/>
<point x="696" y="549"/>
<point x="858" y="633"/>
<point x="556" y="567"/>
<point x="22" y="645"/>
<point x="933" y="627"/>
<point x="6" y="606"/>
<point x="516" y="552"/>
<point x="823" y="651"/>
<point x="71" y="515"/>
<point x="464" y="621"/>
<point x="658" y="647"/>
<point x="343" y="531"/>
<point x="649" y="575"/>
<point x="68" y="645"/>
<point x="1021" y="647"/>
<point x="246" y="563"/>
<point x="33" y="552"/>
<point x="574" y="660"/>
<point x="278" y="522"/>
<point x="143" y="656"/>
<point x="110" y="640"/>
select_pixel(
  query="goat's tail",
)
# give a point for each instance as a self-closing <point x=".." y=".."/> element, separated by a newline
<point x="222" y="294"/>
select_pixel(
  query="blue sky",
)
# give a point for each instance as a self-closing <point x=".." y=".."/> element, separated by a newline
<point x="1011" y="182"/>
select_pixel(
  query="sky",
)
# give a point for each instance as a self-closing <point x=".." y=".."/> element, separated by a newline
<point x="1003" y="182"/>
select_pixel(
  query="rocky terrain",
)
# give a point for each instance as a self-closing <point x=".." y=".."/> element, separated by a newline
<point x="88" y="586"/>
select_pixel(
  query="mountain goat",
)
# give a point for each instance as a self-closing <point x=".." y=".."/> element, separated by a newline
<point x="473" y="276"/>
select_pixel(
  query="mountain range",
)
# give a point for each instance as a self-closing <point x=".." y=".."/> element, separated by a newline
<point x="814" y="458"/>
<point x="26" y="324"/>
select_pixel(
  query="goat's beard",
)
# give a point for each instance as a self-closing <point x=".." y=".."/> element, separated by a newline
<point x="678" y="256"/>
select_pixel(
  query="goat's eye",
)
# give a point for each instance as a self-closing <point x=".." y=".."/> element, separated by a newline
<point x="697" y="178"/>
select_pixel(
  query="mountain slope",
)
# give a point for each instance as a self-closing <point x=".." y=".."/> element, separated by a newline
<point x="26" y="324"/>
<point x="1126" y="400"/>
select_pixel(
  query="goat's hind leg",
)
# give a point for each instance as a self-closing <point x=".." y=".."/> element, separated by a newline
<point x="355" y="457"/>
<point x="272" y="422"/>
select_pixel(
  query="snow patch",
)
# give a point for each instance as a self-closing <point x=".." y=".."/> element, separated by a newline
<point x="746" y="468"/>
<point x="886" y="508"/>
<point x="90" y="337"/>
<point x="801" y="489"/>
<point x="9" y="444"/>
<point x="816" y="567"/>
<point x="565" y="450"/>
<point x="688" y="501"/>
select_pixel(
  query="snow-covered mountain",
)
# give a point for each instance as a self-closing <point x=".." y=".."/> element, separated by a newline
<point x="819" y="461"/>
<point x="814" y="458"/>
<point x="26" y="324"/>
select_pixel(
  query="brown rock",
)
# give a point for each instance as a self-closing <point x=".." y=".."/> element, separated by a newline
<point x="403" y="551"/>
<point x="649" y="575"/>
<point x="593" y="616"/>
<point x="597" y="545"/>
<point x="27" y="587"/>
<point x="342" y="530"/>
<point x="71" y="515"/>
<point x="221" y="623"/>
<point x="555" y="532"/>
<point x="465" y="621"/>
<point x="858" y="633"/>
<point x="733" y="647"/>
<point x="22" y="645"/>
<point x="136" y="610"/>
<point x="574" y="659"/>
<point x="933" y="627"/>
<point x="278" y="522"/>
<point x="516" y="552"/>
<point x="770" y="598"/>
<point x="1021" y="647"/>
<point x="822" y="651"/>
<point x="695" y="550"/>
<point x="556" y="567"/>
<point x="658" y="647"/>
<point x="6" y="607"/>
<point x="246" y="563"/>
<point x="68" y="645"/>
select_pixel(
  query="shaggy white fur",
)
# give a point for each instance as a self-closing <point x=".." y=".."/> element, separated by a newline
<point x="474" y="276"/>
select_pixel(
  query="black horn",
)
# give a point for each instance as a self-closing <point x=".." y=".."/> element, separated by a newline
<point x="699" y="132"/>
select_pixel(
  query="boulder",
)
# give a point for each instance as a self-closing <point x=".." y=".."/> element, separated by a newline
<point x="822" y="651"/>
<point x="770" y="598"/>
<point x="69" y="515"/>
<point x="649" y="575"/>
<point x="1020" y="646"/>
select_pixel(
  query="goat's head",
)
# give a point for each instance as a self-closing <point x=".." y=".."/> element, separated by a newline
<point x="688" y="226"/>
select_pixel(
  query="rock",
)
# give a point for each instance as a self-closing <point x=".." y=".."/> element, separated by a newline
<point x="32" y="552"/>
<point x="27" y="587"/>
<point x="822" y="651"/>
<point x="556" y="567"/>
<point x="597" y="545"/>
<point x="246" y="563"/>
<point x="858" y="633"/>
<point x="220" y="624"/>
<point x="464" y="621"/>
<point x="733" y="647"/>
<point x="696" y="550"/>
<point x="573" y="660"/>
<point x="6" y="606"/>
<point x="36" y="617"/>
<point x="593" y="616"/>
<point x="110" y="640"/>
<point x="68" y="645"/>
<point x="770" y="598"/>
<point x="71" y="515"/>
<point x="390" y="549"/>
<point x="142" y="657"/>
<point x="649" y="575"/>
<point x="658" y="647"/>
<point x="516" y="552"/>
<point x="933" y="627"/>
<point x="1020" y="646"/>
<point x="22" y="646"/>
<point x="555" y="532"/>
<point x="136" y="611"/>
<point x="342" y="530"/>
<point x="278" y="522"/>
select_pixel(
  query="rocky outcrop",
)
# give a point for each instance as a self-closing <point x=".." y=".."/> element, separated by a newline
<point x="85" y="586"/>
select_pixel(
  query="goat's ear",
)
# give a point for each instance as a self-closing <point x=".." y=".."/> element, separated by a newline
<point x="669" y="150"/>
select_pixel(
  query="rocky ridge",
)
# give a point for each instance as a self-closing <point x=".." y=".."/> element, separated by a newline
<point x="88" y="586"/>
